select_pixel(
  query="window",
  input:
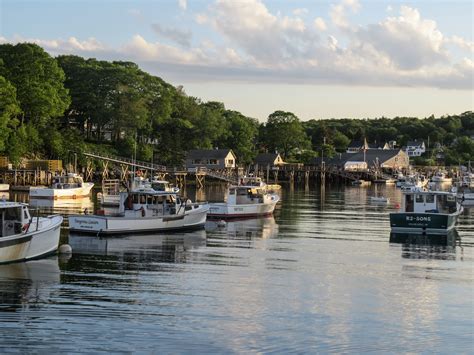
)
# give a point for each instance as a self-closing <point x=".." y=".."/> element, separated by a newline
<point x="419" y="199"/>
<point x="213" y="161"/>
<point x="230" y="161"/>
<point x="429" y="198"/>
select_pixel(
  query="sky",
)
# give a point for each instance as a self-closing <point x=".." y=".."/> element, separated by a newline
<point x="318" y="59"/>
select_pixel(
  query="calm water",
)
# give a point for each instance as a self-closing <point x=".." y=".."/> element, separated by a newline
<point x="321" y="276"/>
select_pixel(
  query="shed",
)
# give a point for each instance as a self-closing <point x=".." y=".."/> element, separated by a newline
<point x="269" y="159"/>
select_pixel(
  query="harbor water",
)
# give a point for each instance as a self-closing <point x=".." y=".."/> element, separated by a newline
<point x="322" y="275"/>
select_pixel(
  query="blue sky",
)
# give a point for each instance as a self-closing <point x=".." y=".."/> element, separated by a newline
<point x="318" y="59"/>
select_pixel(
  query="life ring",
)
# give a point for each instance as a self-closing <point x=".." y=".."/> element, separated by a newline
<point x="25" y="227"/>
<point x="73" y="197"/>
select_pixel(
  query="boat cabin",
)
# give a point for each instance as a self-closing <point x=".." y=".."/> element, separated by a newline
<point x="70" y="181"/>
<point x="13" y="217"/>
<point x="252" y="181"/>
<point x="151" y="203"/>
<point x="244" y="195"/>
<point x="429" y="202"/>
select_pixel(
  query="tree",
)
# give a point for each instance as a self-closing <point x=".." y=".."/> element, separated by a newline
<point x="284" y="132"/>
<point x="9" y="109"/>
<point x="39" y="82"/>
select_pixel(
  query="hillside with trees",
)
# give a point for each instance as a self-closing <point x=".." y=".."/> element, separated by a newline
<point x="53" y="107"/>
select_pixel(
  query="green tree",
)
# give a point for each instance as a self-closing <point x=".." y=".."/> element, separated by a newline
<point x="284" y="132"/>
<point x="9" y="109"/>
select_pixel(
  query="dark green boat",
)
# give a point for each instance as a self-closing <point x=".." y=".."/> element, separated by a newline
<point x="431" y="212"/>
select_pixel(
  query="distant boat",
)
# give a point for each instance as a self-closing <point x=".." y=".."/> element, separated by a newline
<point x="441" y="177"/>
<point x="429" y="212"/>
<point x="67" y="186"/>
<point x="243" y="201"/>
<point x="379" y="199"/>
<point x="361" y="183"/>
<point x="23" y="237"/>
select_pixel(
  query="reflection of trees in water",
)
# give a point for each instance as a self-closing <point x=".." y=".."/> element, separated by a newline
<point x="419" y="246"/>
<point x="27" y="285"/>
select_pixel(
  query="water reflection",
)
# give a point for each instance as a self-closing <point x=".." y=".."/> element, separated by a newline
<point x="419" y="246"/>
<point x="27" y="285"/>
<point x="140" y="248"/>
<point x="246" y="229"/>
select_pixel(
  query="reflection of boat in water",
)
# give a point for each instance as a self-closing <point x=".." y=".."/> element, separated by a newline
<point x="155" y="247"/>
<point x="69" y="204"/>
<point x="25" y="283"/>
<point x="418" y="246"/>
<point x="247" y="228"/>
<point x="449" y="238"/>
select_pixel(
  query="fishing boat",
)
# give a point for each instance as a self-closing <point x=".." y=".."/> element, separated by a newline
<point x="441" y="177"/>
<point x="110" y="195"/>
<point x="243" y="201"/>
<point x="66" y="186"/>
<point x="144" y="210"/>
<point x="429" y="212"/>
<point x="23" y="237"/>
<point x="4" y="187"/>
<point x="466" y="196"/>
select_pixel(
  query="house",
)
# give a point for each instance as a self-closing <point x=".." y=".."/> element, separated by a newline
<point x="415" y="148"/>
<point x="387" y="159"/>
<point x="211" y="159"/>
<point x="269" y="159"/>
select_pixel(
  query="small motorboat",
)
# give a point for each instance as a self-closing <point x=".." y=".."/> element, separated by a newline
<point x="23" y="237"/>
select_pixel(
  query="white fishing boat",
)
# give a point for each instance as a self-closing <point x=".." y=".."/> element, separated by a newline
<point x="144" y="210"/>
<point x="428" y="212"/>
<point x="4" y="187"/>
<point x="23" y="237"/>
<point x="67" y="186"/>
<point x="467" y="197"/>
<point x="244" y="201"/>
<point x="441" y="178"/>
<point x="110" y="195"/>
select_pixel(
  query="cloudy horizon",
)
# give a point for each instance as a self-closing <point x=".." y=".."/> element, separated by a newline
<point x="319" y="59"/>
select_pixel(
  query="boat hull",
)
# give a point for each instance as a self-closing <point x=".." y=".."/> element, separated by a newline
<point x="54" y="194"/>
<point x="431" y="223"/>
<point x="34" y="243"/>
<point x="223" y="210"/>
<point x="195" y="218"/>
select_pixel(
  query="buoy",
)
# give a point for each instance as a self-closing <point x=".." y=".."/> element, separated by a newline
<point x="221" y="223"/>
<point x="65" y="249"/>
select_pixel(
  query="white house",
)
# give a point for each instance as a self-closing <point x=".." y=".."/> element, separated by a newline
<point x="415" y="148"/>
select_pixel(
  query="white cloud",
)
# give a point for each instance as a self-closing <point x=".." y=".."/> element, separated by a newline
<point x="251" y="43"/>
<point x="338" y="12"/>
<point x="183" y="4"/>
<point x="319" y="24"/>
<point x="182" y="37"/>
<point x="300" y="11"/>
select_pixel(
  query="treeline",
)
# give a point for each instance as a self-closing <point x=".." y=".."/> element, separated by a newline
<point x="53" y="107"/>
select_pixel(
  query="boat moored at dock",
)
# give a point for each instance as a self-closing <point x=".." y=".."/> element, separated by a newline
<point x="63" y="187"/>
<point x="144" y="210"/>
<point x="23" y="237"/>
<point x="432" y="212"/>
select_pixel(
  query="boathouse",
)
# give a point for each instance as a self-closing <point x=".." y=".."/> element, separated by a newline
<point x="210" y="159"/>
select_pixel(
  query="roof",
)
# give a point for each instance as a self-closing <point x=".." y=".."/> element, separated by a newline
<point x="372" y="155"/>
<point x="208" y="153"/>
<point x="266" y="158"/>
<point x="414" y="143"/>
<point x="356" y="144"/>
